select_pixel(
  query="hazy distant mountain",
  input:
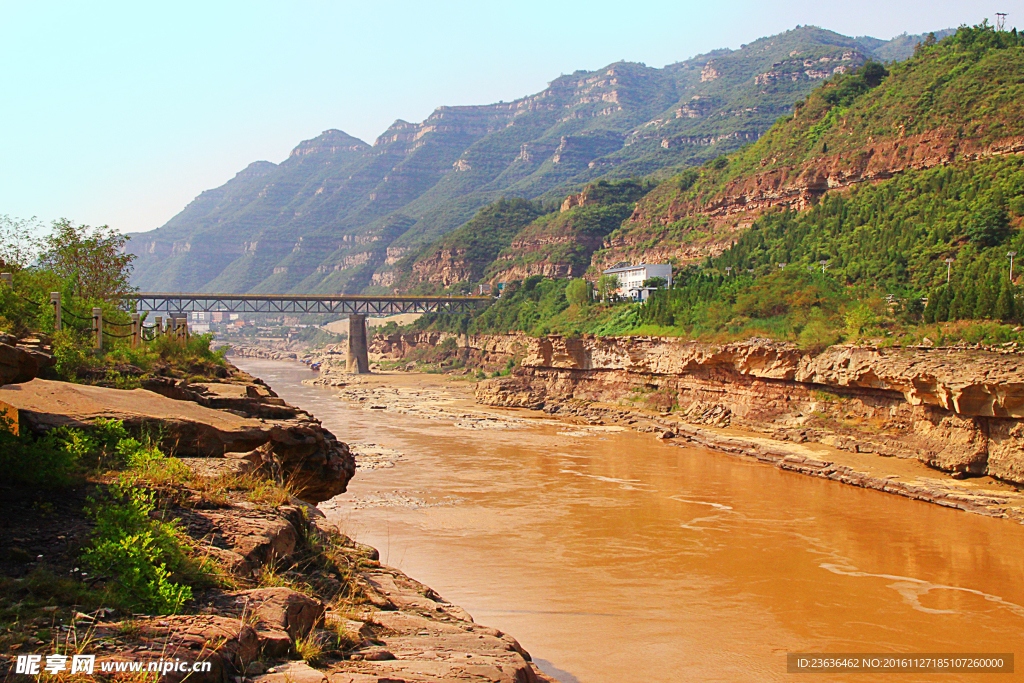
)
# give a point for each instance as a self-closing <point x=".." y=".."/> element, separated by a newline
<point x="337" y="214"/>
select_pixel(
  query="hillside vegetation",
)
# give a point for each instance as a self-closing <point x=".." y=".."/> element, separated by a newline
<point x="339" y="213"/>
<point x="857" y="263"/>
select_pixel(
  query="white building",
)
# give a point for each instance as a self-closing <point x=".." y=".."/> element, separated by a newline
<point x="632" y="278"/>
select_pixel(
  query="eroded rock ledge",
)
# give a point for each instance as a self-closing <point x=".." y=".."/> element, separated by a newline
<point x="958" y="409"/>
<point x="295" y="444"/>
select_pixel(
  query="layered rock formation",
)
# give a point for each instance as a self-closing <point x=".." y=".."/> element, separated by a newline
<point x="300" y="449"/>
<point x="956" y="409"/>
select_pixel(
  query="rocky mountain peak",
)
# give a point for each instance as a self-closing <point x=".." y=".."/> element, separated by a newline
<point x="256" y="169"/>
<point x="330" y="141"/>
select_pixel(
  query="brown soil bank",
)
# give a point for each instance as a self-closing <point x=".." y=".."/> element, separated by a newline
<point x="956" y="409"/>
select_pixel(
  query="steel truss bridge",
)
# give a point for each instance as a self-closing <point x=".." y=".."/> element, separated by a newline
<point x="379" y="306"/>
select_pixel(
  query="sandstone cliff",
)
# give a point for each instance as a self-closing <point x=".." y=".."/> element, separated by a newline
<point x="956" y="409"/>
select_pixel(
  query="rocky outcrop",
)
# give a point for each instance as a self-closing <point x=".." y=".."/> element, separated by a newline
<point x="487" y="348"/>
<point x="252" y="399"/>
<point x="311" y="457"/>
<point x="22" y="359"/>
<point x="957" y="409"/>
<point x="225" y="644"/>
<point x="444" y="267"/>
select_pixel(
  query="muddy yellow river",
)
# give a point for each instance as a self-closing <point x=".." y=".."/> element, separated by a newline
<point x="614" y="557"/>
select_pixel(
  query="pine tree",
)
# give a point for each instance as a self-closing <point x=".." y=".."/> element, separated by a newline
<point x="956" y="306"/>
<point x="984" y="307"/>
<point x="970" y="298"/>
<point x="1005" y="307"/>
<point x="929" y="310"/>
<point x="942" y="305"/>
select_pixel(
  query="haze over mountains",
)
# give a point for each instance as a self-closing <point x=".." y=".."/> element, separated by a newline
<point x="338" y="213"/>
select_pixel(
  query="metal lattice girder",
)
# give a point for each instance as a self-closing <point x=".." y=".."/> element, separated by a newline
<point x="378" y="306"/>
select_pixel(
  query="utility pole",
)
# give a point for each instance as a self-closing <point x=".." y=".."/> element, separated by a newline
<point x="1011" y="254"/>
<point x="1000" y="21"/>
<point x="949" y="265"/>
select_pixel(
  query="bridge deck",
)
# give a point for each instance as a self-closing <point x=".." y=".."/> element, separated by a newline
<point x="381" y="305"/>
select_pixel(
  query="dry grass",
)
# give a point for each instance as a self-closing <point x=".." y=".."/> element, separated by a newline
<point x="310" y="648"/>
<point x="270" y="576"/>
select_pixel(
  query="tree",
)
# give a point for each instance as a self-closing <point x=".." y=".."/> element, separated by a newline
<point x="90" y="261"/>
<point x="986" y="302"/>
<point x="873" y="73"/>
<point x="578" y="292"/>
<point x="18" y="243"/>
<point x="1005" y="305"/>
<point x="942" y="309"/>
<point x="990" y="225"/>
<point x="929" y="310"/>
<point x="606" y="285"/>
<point x="656" y="282"/>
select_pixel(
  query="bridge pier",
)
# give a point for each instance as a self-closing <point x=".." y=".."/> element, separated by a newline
<point x="358" y="360"/>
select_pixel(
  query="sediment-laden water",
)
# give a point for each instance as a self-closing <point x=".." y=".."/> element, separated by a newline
<point x="613" y="557"/>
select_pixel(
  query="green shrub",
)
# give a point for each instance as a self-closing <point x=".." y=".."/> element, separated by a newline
<point x="51" y="460"/>
<point x="139" y="552"/>
<point x="71" y="354"/>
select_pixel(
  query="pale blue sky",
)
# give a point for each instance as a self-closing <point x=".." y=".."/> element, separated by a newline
<point x="121" y="113"/>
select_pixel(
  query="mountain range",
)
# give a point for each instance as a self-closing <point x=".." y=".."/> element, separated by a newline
<point x="338" y="215"/>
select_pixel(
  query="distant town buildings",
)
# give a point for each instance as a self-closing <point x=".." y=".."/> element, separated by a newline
<point x="205" y="321"/>
<point x="632" y="278"/>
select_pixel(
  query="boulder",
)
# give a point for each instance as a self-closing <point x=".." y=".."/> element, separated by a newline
<point x="280" y="616"/>
<point x="21" y="362"/>
<point x="244" y="539"/>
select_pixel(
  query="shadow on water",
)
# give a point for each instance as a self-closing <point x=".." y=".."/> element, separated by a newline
<point x="552" y="670"/>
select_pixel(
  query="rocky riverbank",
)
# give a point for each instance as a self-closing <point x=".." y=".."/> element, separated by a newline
<point x="284" y="352"/>
<point x="958" y="410"/>
<point x="848" y="413"/>
<point x="296" y="601"/>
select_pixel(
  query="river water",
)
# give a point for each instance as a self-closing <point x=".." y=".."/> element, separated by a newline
<point x="614" y="557"/>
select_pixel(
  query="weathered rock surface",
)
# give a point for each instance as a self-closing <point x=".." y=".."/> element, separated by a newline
<point x="22" y="360"/>
<point x="226" y="643"/>
<point x="244" y="539"/>
<point x="301" y="450"/>
<point x="958" y="409"/>
<point x="250" y="399"/>
<point x="279" y="615"/>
